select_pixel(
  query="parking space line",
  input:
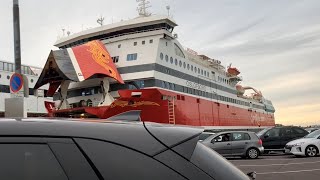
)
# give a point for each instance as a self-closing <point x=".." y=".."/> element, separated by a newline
<point x="279" y="164"/>
<point x="284" y="172"/>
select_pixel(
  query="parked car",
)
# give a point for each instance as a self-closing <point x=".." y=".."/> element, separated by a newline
<point x="51" y="149"/>
<point x="310" y="130"/>
<point x="307" y="146"/>
<point x="235" y="143"/>
<point x="275" y="138"/>
<point x="205" y="135"/>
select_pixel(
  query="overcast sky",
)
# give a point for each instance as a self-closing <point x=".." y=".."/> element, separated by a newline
<point x="274" y="43"/>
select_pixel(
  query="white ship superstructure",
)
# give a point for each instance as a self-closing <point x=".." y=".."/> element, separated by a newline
<point x="35" y="101"/>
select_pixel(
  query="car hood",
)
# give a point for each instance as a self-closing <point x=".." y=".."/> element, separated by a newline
<point x="305" y="140"/>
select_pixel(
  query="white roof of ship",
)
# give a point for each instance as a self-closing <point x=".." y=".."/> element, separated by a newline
<point x="136" y="22"/>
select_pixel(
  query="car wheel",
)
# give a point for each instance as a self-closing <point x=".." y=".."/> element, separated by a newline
<point x="252" y="153"/>
<point x="311" y="151"/>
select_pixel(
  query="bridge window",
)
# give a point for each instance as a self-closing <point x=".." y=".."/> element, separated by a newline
<point x="176" y="62"/>
<point x="184" y="65"/>
<point x="151" y="41"/>
<point x="178" y="51"/>
<point x="180" y="63"/>
<point x="161" y="56"/>
<point x="132" y="57"/>
<point x="119" y="45"/>
<point x="143" y="42"/>
<point x="171" y="60"/>
<point x="135" y="43"/>
<point x="167" y="58"/>
<point x="191" y="67"/>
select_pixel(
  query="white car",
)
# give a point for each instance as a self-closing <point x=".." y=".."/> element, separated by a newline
<point x="306" y="146"/>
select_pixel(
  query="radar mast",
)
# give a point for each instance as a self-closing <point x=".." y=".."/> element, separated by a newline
<point x="142" y="8"/>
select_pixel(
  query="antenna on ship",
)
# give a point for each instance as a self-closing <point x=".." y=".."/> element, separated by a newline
<point x="100" y="20"/>
<point x="142" y="7"/>
<point x="168" y="9"/>
<point x="63" y="30"/>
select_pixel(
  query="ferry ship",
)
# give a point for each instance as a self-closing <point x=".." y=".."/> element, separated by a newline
<point x="167" y="82"/>
<point x="35" y="102"/>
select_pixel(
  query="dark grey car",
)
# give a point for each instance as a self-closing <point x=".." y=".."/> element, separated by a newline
<point x="51" y="149"/>
<point x="235" y="143"/>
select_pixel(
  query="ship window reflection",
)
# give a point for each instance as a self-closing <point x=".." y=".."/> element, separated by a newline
<point x="176" y="62"/>
<point x="161" y="56"/>
<point x="171" y="60"/>
<point x="167" y="58"/>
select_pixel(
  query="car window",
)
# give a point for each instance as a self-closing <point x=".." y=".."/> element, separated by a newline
<point x="247" y="136"/>
<point x="118" y="162"/>
<point x="204" y="136"/>
<point x="223" y="137"/>
<point x="238" y="136"/>
<point x="275" y="132"/>
<point x="285" y="132"/>
<point x="298" y="130"/>
<point x="29" y="161"/>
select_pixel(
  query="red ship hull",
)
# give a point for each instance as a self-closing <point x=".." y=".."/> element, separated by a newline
<point x="188" y="110"/>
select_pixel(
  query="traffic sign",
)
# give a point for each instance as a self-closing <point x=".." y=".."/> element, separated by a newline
<point x="16" y="82"/>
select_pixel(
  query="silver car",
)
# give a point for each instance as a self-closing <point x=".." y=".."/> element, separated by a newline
<point x="236" y="143"/>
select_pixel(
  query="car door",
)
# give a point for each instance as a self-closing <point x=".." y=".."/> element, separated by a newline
<point x="286" y="135"/>
<point x="222" y="144"/>
<point x="239" y="143"/>
<point x="271" y="139"/>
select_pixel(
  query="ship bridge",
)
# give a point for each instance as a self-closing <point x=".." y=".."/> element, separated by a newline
<point x="132" y="26"/>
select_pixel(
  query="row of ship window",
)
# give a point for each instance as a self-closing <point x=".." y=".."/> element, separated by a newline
<point x="130" y="57"/>
<point x="6" y="89"/>
<point x="184" y="65"/>
<point x="136" y="43"/>
<point x="4" y="66"/>
<point x="8" y="77"/>
<point x="172" y="86"/>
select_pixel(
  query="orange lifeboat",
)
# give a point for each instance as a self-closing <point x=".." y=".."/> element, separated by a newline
<point x="233" y="71"/>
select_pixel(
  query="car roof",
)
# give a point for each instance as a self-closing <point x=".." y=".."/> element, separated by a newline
<point x="149" y="138"/>
<point x="224" y="132"/>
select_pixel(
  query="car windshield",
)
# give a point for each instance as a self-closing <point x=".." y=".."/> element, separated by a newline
<point x="314" y="134"/>
<point x="260" y="133"/>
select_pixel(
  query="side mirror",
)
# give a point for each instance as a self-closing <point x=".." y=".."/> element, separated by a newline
<point x="213" y="141"/>
<point x="252" y="175"/>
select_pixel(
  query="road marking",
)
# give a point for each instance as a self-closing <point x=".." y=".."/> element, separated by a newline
<point x="280" y="164"/>
<point x="284" y="172"/>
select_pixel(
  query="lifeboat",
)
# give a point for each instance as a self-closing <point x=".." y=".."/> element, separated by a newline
<point x="233" y="71"/>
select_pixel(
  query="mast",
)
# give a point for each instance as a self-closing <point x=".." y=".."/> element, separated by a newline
<point x="17" y="43"/>
<point x="142" y="8"/>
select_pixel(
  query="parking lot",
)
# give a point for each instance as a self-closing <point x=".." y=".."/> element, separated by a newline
<point x="282" y="167"/>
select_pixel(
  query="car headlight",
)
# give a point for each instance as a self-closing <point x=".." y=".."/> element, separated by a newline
<point x="298" y="144"/>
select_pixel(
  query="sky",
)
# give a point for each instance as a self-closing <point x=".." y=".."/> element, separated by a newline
<point x="275" y="43"/>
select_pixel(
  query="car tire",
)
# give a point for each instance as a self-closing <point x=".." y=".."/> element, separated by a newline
<point x="252" y="153"/>
<point x="311" y="151"/>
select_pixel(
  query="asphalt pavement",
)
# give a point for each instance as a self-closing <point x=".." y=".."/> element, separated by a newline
<point x="281" y="167"/>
